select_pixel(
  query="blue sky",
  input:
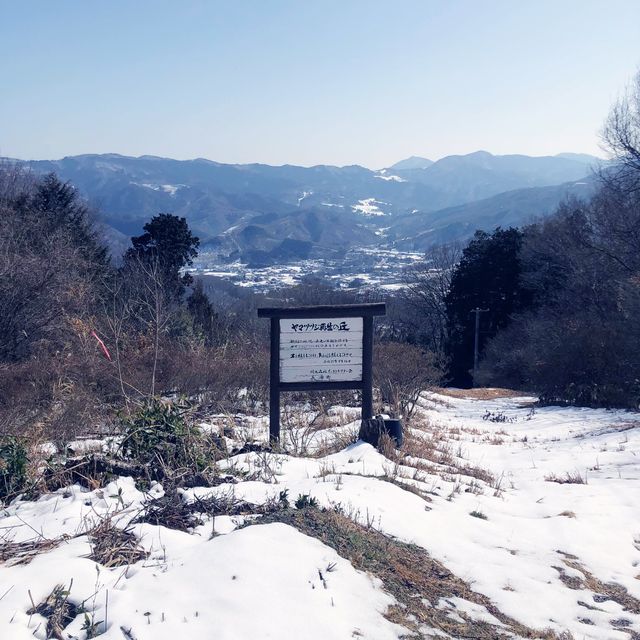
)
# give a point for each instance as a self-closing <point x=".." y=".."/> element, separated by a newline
<point x="311" y="81"/>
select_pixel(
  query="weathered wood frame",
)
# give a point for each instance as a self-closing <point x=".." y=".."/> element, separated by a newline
<point x="364" y="311"/>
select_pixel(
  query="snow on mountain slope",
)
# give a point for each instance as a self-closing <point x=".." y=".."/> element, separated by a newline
<point x="369" y="207"/>
<point x="535" y="509"/>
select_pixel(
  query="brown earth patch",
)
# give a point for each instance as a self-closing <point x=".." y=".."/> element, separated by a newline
<point x="480" y="393"/>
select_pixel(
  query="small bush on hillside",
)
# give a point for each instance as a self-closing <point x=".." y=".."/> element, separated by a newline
<point x="403" y="371"/>
<point x="13" y="466"/>
<point x="305" y="501"/>
<point x="159" y="436"/>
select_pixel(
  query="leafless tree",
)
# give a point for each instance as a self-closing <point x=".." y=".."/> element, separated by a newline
<point x="621" y="132"/>
<point x="149" y="304"/>
<point x="402" y="373"/>
<point x="426" y="287"/>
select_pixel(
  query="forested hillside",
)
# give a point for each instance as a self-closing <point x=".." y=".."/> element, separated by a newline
<point x="219" y="200"/>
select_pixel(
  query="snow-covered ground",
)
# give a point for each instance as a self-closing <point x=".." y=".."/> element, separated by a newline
<point x="370" y="267"/>
<point x="473" y="488"/>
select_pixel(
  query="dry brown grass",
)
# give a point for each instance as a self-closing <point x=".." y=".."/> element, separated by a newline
<point x="482" y="393"/>
<point x="112" y="546"/>
<point x="409" y="574"/>
<point x="334" y="442"/>
<point x="568" y="478"/>
<point x="434" y="448"/>
<point x="602" y="590"/>
<point x="14" y="553"/>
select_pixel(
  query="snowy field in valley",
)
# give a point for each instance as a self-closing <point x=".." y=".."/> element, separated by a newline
<point x="360" y="267"/>
<point x="498" y="519"/>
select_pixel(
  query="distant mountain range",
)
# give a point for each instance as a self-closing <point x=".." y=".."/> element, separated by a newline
<point x="263" y="213"/>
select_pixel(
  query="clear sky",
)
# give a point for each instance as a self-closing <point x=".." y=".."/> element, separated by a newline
<point x="311" y="81"/>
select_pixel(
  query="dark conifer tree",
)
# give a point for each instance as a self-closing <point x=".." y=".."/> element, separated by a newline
<point x="487" y="277"/>
<point x="58" y="209"/>
<point x="168" y="241"/>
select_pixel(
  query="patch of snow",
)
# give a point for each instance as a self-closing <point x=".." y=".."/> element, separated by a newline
<point x="393" y="286"/>
<point x="171" y="189"/>
<point x="473" y="610"/>
<point x="389" y="178"/>
<point x="369" y="207"/>
<point x="305" y="194"/>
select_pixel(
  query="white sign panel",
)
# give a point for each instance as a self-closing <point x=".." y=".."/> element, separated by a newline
<point x="321" y="350"/>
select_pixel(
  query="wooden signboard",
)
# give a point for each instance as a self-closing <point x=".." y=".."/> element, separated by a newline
<point x="318" y="348"/>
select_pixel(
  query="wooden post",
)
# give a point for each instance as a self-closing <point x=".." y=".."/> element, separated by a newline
<point x="367" y="369"/>
<point x="274" y="382"/>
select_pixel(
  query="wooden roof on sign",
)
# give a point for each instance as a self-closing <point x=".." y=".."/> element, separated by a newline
<point x="325" y="311"/>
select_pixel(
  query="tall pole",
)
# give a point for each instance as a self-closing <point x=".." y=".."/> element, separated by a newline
<point x="477" y="311"/>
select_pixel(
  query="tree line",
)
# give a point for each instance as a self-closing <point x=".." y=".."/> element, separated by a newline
<point x="561" y="296"/>
<point x="82" y="336"/>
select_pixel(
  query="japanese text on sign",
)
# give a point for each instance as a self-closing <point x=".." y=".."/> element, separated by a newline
<point x="321" y="350"/>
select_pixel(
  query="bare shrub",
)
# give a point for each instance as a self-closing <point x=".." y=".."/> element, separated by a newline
<point x="233" y="377"/>
<point x="337" y="440"/>
<point x="402" y="373"/>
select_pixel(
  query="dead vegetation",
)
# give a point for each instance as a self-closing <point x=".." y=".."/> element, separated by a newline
<point x="428" y="449"/>
<point x="419" y="583"/>
<point x="483" y="393"/>
<point x="314" y="430"/>
<point x="58" y="611"/>
<point x="574" y="477"/>
<point x="14" y="553"/>
<point x="174" y="512"/>
<point x="112" y="546"/>
<point x="587" y="581"/>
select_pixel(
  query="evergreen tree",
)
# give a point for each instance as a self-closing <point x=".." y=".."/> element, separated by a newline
<point x="56" y="208"/>
<point x="487" y="277"/>
<point x="167" y="241"/>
